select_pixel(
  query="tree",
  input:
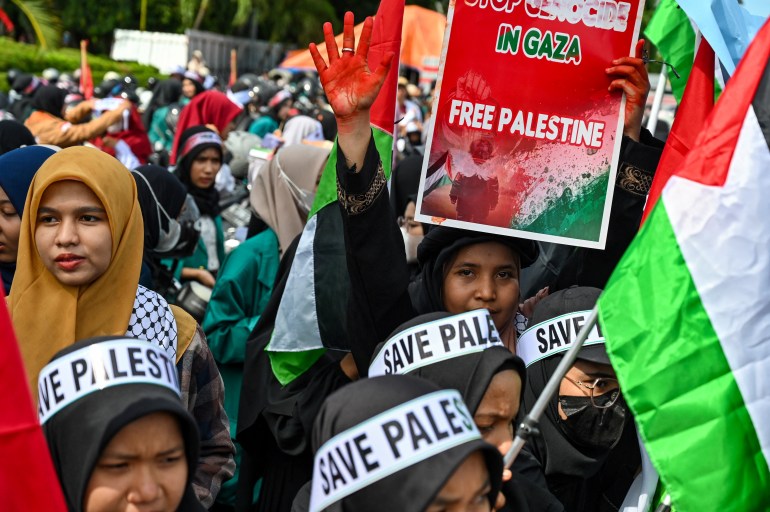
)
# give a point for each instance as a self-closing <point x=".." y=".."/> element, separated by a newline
<point x="44" y="23"/>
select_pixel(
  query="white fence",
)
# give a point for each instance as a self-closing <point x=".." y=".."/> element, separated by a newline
<point x="164" y="51"/>
<point x="167" y="51"/>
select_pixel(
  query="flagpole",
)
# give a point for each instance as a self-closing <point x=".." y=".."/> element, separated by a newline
<point x="660" y="91"/>
<point x="529" y="424"/>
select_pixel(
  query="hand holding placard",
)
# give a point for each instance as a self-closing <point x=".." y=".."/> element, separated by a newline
<point x="631" y="78"/>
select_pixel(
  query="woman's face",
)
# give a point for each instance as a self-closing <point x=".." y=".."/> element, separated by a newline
<point x="284" y="110"/>
<point x="483" y="275"/>
<point x="586" y="373"/>
<point x="498" y="409"/>
<point x="188" y="88"/>
<point x="72" y="234"/>
<point x="10" y="226"/>
<point x="144" y="467"/>
<point x="205" y="167"/>
<point x="413" y="227"/>
<point x="466" y="490"/>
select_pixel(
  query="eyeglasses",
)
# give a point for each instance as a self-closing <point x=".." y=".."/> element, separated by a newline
<point x="600" y="388"/>
<point x="646" y="59"/>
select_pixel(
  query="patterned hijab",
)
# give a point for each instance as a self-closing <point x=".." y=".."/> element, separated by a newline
<point x="48" y="315"/>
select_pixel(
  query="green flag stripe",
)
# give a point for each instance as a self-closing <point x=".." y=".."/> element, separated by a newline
<point x="288" y="366"/>
<point x="671" y="32"/>
<point x="327" y="188"/>
<point x="677" y="381"/>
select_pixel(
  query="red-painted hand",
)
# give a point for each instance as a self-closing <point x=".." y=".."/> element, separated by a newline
<point x="349" y="84"/>
<point x="630" y="77"/>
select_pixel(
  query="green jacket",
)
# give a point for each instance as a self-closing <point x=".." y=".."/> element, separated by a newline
<point x="263" y="126"/>
<point x="200" y="258"/>
<point x="244" y="285"/>
<point x="159" y="129"/>
<point x="243" y="288"/>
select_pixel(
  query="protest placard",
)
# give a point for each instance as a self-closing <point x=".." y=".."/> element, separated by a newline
<point x="525" y="135"/>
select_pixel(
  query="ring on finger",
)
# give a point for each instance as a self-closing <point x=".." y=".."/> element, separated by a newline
<point x="351" y="50"/>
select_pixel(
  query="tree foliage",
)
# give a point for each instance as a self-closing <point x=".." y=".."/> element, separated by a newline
<point x="288" y="21"/>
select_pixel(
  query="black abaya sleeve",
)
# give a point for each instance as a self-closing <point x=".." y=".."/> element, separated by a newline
<point x="376" y="259"/>
<point x="274" y="421"/>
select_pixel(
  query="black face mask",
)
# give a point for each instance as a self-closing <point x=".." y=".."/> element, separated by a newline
<point x="590" y="426"/>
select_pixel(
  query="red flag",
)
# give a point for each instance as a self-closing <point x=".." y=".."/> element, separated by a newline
<point x="233" y="67"/>
<point x="386" y="38"/>
<point x="28" y="480"/>
<point x="6" y="21"/>
<point x="697" y="104"/>
<point x="86" y="81"/>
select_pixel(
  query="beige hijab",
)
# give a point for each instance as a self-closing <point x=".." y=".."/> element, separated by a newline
<point x="282" y="190"/>
<point x="48" y="315"/>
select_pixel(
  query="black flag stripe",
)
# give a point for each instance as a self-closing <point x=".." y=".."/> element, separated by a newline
<point x="761" y="104"/>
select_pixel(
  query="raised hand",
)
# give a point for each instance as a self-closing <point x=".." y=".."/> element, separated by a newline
<point x="630" y="76"/>
<point x="349" y="84"/>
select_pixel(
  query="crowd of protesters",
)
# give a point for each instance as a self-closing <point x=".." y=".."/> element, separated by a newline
<point x="155" y="226"/>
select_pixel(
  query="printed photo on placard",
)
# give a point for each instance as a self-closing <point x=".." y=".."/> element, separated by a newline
<point x="526" y="134"/>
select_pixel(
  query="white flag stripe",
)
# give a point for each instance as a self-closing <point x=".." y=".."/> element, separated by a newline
<point x="296" y="323"/>
<point x="724" y="236"/>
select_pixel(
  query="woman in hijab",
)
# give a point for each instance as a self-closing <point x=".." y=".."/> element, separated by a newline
<point x="281" y="196"/>
<point x="200" y="159"/>
<point x="489" y="378"/>
<point x="161" y="197"/>
<point x="79" y="260"/>
<point x="167" y="96"/>
<point x="376" y="264"/>
<point x="301" y="128"/>
<point x="14" y="135"/>
<point x="588" y="446"/>
<point x="129" y="443"/>
<point x="192" y="85"/>
<point x="133" y="135"/>
<point x="165" y="93"/>
<point x="278" y="111"/>
<point x="210" y="108"/>
<point x="17" y="168"/>
<point x="49" y="126"/>
<point x="404" y="185"/>
<point x="387" y="421"/>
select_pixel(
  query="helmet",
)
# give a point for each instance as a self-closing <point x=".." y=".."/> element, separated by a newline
<point x="51" y="75"/>
<point x="172" y="117"/>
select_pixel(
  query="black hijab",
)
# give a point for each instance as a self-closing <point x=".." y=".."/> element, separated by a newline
<point x="413" y="488"/>
<point x="49" y="98"/>
<point x="78" y="433"/>
<point x="14" y="135"/>
<point x="167" y="92"/>
<point x="438" y="248"/>
<point x="405" y="183"/>
<point x="170" y="194"/>
<point x="582" y="478"/>
<point x="328" y="124"/>
<point x="470" y="374"/>
<point x="207" y="199"/>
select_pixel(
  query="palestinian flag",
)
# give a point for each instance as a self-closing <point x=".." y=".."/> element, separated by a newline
<point x="677" y="39"/>
<point x="694" y="109"/>
<point x="28" y="480"/>
<point x="685" y="314"/>
<point x="312" y="314"/>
